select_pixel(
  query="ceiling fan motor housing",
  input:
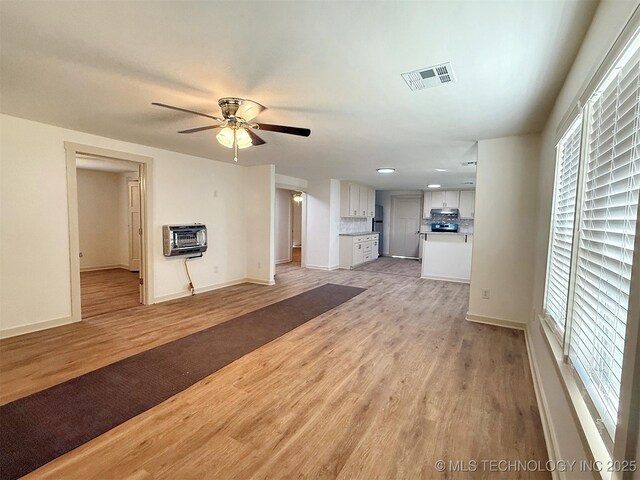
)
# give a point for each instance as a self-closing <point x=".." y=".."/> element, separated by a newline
<point x="229" y="106"/>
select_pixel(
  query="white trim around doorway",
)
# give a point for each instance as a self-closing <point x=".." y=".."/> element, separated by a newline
<point x="145" y="175"/>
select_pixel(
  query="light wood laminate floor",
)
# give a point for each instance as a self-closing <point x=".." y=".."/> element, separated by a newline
<point x="104" y="291"/>
<point x="379" y="388"/>
<point x="395" y="266"/>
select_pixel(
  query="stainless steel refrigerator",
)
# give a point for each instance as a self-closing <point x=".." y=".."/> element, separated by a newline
<point x="377" y="226"/>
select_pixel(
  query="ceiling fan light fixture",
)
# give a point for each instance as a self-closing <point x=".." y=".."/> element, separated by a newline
<point x="386" y="170"/>
<point x="225" y="137"/>
<point x="243" y="138"/>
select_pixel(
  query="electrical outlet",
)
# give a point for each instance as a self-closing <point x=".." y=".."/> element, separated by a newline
<point x="215" y="193"/>
<point x="215" y="269"/>
<point x="259" y="265"/>
<point x="486" y="294"/>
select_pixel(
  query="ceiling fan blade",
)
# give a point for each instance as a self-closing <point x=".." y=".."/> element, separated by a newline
<point x="186" y="111"/>
<point x="255" y="139"/>
<point x="248" y="110"/>
<point x="303" y="132"/>
<point x="199" y="129"/>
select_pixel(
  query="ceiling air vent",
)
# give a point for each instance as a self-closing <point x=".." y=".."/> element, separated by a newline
<point x="471" y="163"/>
<point x="429" y="76"/>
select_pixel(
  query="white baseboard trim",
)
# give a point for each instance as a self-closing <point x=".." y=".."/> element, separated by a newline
<point x="286" y="260"/>
<point x="322" y="267"/>
<point x="550" y="437"/>
<point x="34" y="327"/>
<point x="446" y="279"/>
<point x="209" y="288"/>
<point x="259" y="282"/>
<point x="497" y="322"/>
<point x="104" y="267"/>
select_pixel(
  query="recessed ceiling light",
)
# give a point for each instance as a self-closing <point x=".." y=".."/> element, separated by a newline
<point x="433" y="185"/>
<point x="440" y="170"/>
<point x="386" y="170"/>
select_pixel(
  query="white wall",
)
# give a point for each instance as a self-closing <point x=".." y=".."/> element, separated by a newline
<point x="101" y="208"/>
<point x="383" y="198"/>
<point x="291" y="183"/>
<point x="608" y="22"/>
<point x="321" y="249"/>
<point x="260" y="193"/>
<point x="503" y="240"/>
<point x="283" y="225"/>
<point x="184" y="188"/>
<point x="334" y="224"/>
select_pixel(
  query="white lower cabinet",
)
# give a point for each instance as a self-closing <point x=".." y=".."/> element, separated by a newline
<point x="447" y="256"/>
<point x="357" y="249"/>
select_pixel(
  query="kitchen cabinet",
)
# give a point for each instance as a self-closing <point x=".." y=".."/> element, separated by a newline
<point x="447" y="256"/>
<point x="426" y="204"/>
<point x="371" y="204"/>
<point x="364" y="201"/>
<point x="445" y="199"/>
<point x="358" y="249"/>
<point x="467" y="203"/>
<point x="439" y="199"/>
<point x="357" y="200"/>
<point x="354" y="199"/>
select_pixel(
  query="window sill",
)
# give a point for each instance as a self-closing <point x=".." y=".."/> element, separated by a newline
<point x="591" y="438"/>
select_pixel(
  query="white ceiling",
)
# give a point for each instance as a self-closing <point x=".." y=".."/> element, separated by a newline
<point x="333" y="67"/>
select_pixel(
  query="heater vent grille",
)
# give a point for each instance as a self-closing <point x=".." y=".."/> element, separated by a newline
<point x="430" y="76"/>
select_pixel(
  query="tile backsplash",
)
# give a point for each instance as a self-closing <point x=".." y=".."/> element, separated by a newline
<point x="465" y="225"/>
<point x="354" y="225"/>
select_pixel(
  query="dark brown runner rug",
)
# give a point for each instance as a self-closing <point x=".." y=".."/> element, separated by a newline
<point x="36" y="429"/>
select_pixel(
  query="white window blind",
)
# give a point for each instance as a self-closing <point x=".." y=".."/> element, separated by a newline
<point x="608" y="216"/>
<point x="562" y="224"/>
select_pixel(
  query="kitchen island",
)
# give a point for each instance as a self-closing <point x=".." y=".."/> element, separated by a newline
<point x="447" y="256"/>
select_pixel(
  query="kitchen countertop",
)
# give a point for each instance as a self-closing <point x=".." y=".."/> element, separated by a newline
<point x="358" y="234"/>
<point x="445" y="233"/>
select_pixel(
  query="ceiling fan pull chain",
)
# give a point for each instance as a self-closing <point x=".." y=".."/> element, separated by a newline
<point x="235" y="146"/>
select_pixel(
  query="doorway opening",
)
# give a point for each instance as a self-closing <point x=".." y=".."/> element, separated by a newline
<point x="296" y="227"/>
<point x="288" y="227"/>
<point x="108" y="223"/>
<point x="109" y="228"/>
<point x="404" y="234"/>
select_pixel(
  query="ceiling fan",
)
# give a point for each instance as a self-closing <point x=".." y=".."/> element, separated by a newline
<point x="236" y="123"/>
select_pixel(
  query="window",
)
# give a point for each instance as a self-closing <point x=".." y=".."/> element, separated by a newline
<point x="593" y="225"/>
<point x="562" y="225"/>
<point x="609" y="211"/>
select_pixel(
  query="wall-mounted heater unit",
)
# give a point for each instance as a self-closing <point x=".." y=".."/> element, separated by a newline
<point x="184" y="239"/>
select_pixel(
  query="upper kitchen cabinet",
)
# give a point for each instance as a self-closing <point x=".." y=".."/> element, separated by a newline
<point x="364" y="201"/>
<point x="440" y="199"/>
<point x="371" y="204"/>
<point x="426" y="204"/>
<point x="467" y="203"/>
<point x="445" y="199"/>
<point x="356" y="200"/>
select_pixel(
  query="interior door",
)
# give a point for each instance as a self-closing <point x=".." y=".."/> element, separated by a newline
<point x="135" y="232"/>
<point x="405" y="227"/>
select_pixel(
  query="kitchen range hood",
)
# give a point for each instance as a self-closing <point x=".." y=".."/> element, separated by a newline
<point x="445" y="212"/>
